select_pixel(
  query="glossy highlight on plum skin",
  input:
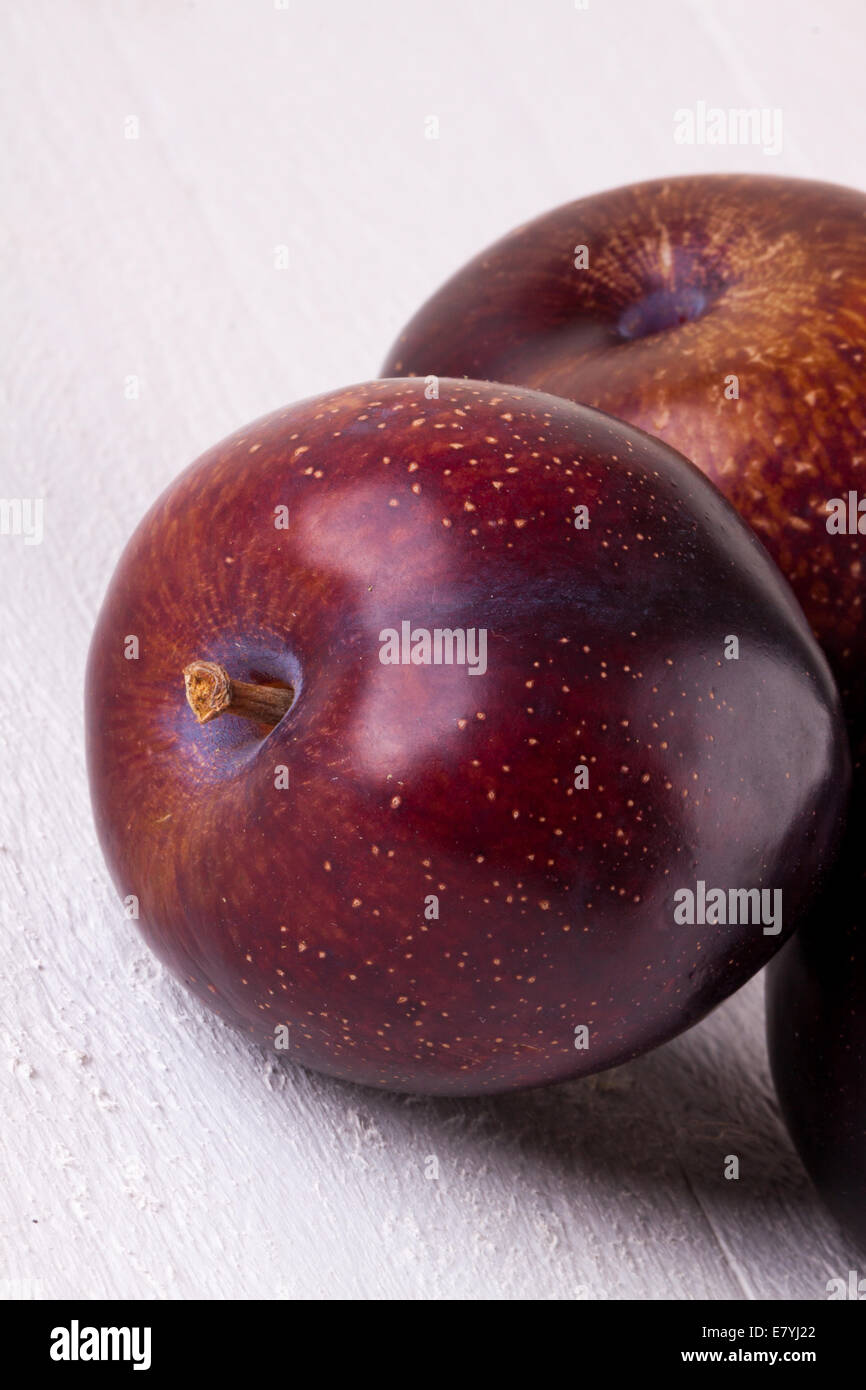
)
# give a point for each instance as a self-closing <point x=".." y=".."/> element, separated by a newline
<point x="305" y="905"/>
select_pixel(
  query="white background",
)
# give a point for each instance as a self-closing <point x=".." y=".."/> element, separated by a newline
<point x="147" y="1151"/>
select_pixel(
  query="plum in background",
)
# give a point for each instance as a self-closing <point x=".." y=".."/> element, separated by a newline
<point x="816" y="1029"/>
<point x="725" y="314"/>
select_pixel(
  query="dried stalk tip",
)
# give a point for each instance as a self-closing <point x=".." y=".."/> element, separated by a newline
<point x="208" y="689"/>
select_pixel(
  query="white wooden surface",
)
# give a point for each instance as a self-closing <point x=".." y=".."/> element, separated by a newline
<point x="146" y="1151"/>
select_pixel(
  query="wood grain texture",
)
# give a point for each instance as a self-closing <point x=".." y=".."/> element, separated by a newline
<point x="145" y="1151"/>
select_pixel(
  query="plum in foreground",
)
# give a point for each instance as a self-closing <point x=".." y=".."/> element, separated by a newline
<point x="516" y="753"/>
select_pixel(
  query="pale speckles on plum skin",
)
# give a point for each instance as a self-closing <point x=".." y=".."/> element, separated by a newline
<point x="306" y="965"/>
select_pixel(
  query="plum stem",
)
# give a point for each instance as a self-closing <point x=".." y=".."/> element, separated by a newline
<point x="210" y="692"/>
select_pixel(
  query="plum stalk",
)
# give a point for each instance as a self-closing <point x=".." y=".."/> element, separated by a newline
<point x="210" y="692"/>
